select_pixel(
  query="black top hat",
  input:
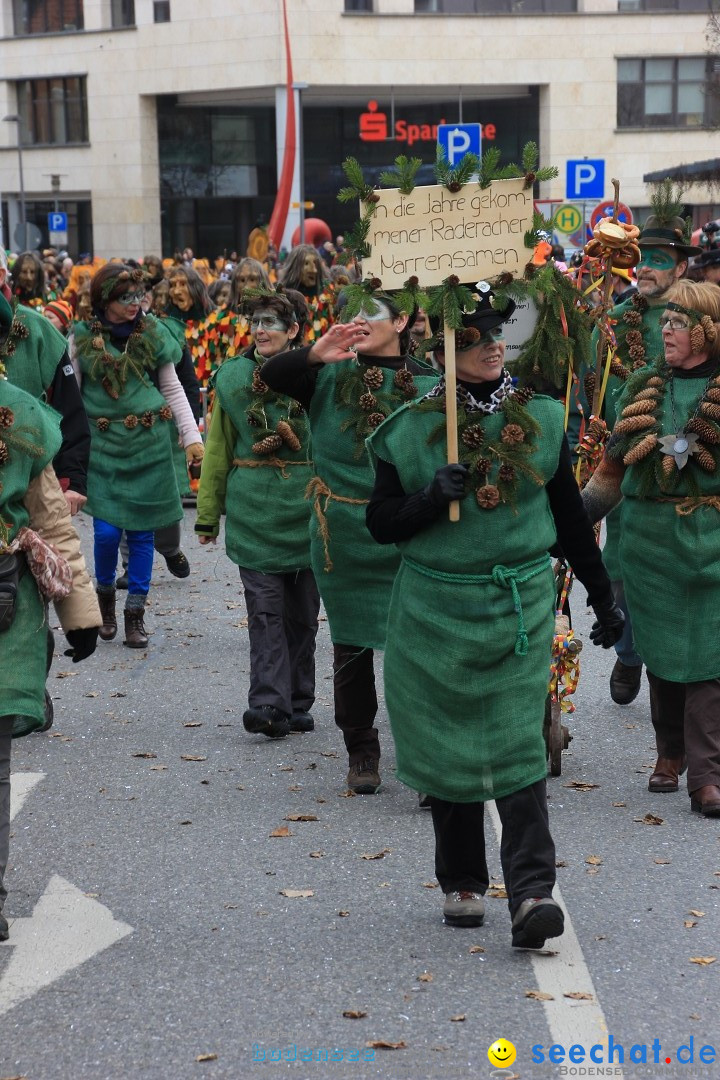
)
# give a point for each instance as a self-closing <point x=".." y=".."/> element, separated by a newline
<point x="672" y="234"/>
<point x="485" y="317"/>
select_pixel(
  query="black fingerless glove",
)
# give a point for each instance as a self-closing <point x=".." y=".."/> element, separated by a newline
<point x="608" y="628"/>
<point x="83" y="643"/>
<point x="447" y="485"/>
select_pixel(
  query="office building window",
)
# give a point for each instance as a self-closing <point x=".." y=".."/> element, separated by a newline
<point x="47" y="16"/>
<point x="358" y="5"/>
<point x="161" y="11"/>
<point x="495" y="7"/>
<point x="122" y="12"/>
<point x="667" y="5"/>
<point x="53" y="111"/>
<point x="679" y="92"/>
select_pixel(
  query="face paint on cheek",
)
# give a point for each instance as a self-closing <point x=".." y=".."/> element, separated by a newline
<point x="657" y="259"/>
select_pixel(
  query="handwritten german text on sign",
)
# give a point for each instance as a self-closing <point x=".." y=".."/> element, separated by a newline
<point x="432" y="233"/>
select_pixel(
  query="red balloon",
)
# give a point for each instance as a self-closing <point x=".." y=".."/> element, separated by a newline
<point x="316" y="232"/>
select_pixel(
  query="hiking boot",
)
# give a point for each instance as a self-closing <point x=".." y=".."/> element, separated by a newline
<point x="135" y="633"/>
<point x="464" y="908"/>
<point x="363" y="777"/>
<point x="4" y="930"/>
<point x="178" y="565"/>
<point x="106" y="600"/>
<point x="625" y="683"/>
<point x="302" y="721"/>
<point x="266" y="720"/>
<point x="122" y="581"/>
<point x="535" y="920"/>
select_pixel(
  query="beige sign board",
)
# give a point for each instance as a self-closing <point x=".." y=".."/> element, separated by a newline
<point x="432" y="233"/>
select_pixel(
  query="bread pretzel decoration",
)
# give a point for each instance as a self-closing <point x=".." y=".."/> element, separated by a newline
<point x="626" y="257"/>
<point x="615" y="240"/>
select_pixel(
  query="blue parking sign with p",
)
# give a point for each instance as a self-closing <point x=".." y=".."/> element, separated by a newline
<point x="57" y="222"/>
<point x="457" y="140"/>
<point x="585" y="179"/>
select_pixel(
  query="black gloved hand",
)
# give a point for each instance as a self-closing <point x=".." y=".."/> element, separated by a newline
<point x="609" y="626"/>
<point x="447" y="485"/>
<point x="84" y="643"/>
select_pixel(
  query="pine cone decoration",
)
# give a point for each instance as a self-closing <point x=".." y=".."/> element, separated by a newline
<point x="637" y="352"/>
<point x="467" y="337"/>
<point x="649" y="394"/>
<point x="704" y="430"/>
<point x="633" y="337"/>
<point x="19" y="329"/>
<point x="4" y="453"/>
<point x="98" y="342"/>
<point x="367" y="402"/>
<point x="633" y="423"/>
<point x="524" y="394"/>
<point x="268" y="444"/>
<point x="131" y="421"/>
<point x="638" y="365"/>
<point x="640" y="450"/>
<point x="668" y="466"/>
<point x="258" y="386"/>
<point x="148" y="418"/>
<point x="253" y="420"/>
<point x="597" y="429"/>
<point x="7" y="416"/>
<point x="697" y="339"/>
<point x="506" y="473"/>
<point x="404" y="382"/>
<point x="632" y="318"/>
<point x="618" y="370"/>
<point x="454" y="187"/>
<point x="639" y="408"/>
<point x="708" y="409"/>
<point x="109" y="388"/>
<point x="483" y="466"/>
<point x="487" y="497"/>
<point x="287" y="435"/>
<point x="713" y="394"/>
<point x="373" y="377"/>
<point x="473" y="436"/>
<point x="655" y="381"/>
<point x="375" y="419"/>
<point x="709" y="327"/>
<point x="589" y="384"/>
<point x="705" y="459"/>
<point x="165" y="413"/>
<point x="512" y="434"/>
<point x="102" y="423"/>
<point x="639" y="302"/>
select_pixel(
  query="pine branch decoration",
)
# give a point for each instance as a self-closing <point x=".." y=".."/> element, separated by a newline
<point x="403" y="175"/>
<point x="449" y="301"/>
<point x="540" y="225"/>
<point x="356" y="238"/>
<point x="454" y="177"/>
<point x="359" y="188"/>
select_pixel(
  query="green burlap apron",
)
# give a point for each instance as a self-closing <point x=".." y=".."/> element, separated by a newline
<point x="670" y="562"/>
<point x="131" y="479"/>
<point x="354" y="574"/>
<point x="471" y="624"/>
<point x="23" y="648"/>
<point x="267" y="514"/>
<point x="32" y="362"/>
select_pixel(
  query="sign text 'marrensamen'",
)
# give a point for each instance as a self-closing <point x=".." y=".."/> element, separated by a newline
<point x="433" y="233"/>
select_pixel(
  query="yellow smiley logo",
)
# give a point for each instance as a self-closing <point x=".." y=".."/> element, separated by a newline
<point x="502" y="1053"/>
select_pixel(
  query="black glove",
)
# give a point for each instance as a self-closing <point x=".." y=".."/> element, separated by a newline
<point x="609" y="626"/>
<point x="447" y="485"/>
<point x="84" y="643"/>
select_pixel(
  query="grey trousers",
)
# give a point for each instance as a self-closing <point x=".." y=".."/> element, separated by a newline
<point x="166" y="542"/>
<point x="282" y="626"/>
<point x="686" y="718"/>
<point x="6" y="723"/>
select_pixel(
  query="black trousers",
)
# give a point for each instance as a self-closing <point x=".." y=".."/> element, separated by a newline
<point x="686" y="718"/>
<point x="527" y="850"/>
<point x="356" y="703"/>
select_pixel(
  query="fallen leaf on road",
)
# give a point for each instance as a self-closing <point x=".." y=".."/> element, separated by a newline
<point x="476" y="948"/>
<point x="697" y="914"/>
<point x="649" y="819"/>
<point x="560" y="862"/>
<point x="144" y="754"/>
<point x="294" y="894"/>
<point x="343" y="914"/>
<point x="594" y="860"/>
<point x="384" y="885"/>
<point x="619" y="804"/>
<point x="317" y="854"/>
<point x="430" y="885"/>
<point x="118" y="693"/>
<point x="377" y="855"/>
<point x="579" y="995"/>
<point x="301" y="817"/>
<point x="186" y="822"/>
<point x="581" y="785"/>
<point x="282" y="830"/>
<point x="381" y="1044"/>
<point x="287" y="768"/>
<point x="328" y="753"/>
<point x="66" y="674"/>
<point x="158" y="768"/>
<point x="703" y="960"/>
<point x="206" y="1057"/>
<point x="459" y="1018"/>
<point x="539" y="995"/>
<point x="662" y="862"/>
<point x="346" y="795"/>
<point x="193" y="757"/>
<point x="689" y="923"/>
<point x="425" y="977"/>
<point x="694" y="1016"/>
<point x="354" y="1014"/>
<point x="93" y="693"/>
<point x="498" y="891"/>
<point x="193" y="723"/>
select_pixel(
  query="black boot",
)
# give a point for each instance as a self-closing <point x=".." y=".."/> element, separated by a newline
<point x="625" y="683"/>
<point x="106" y="600"/>
<point x="135" y="634"/>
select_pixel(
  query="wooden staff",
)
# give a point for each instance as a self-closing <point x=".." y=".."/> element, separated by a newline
<point x="606" y="305"/>
<point x="451" y="409"/>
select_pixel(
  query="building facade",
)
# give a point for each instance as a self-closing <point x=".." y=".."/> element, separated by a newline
<point x="155" y="125"/>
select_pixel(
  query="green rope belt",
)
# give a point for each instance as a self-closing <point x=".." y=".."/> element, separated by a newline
<point x="505" y="577"/>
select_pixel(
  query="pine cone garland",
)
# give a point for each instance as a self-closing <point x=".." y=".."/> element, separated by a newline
<point x="7" y="417"/>
<point x="633" y="423"/>
<point x="668" y="466"/>
<point x="487" y="497"/>
<point x="131" y="421"/>
<point x="19" y="329"/>
<point x="705" y="459"/>
<point x="633" y="337"/>
<point x="649" y="394"/>
<point x="4" y="453"/>
<point x="375" y="419"/>
<point x="524" y="394"/>
<point x="506" y="473"/>
<point x="287" y="435"/>
<point x="640" y="450"/>
<point x="102" y="423"/>
<point x="713" y="394"/>
<point x="632" y="318"/>
<point x="655" y="381"/>
<point x="618" y="370"/>
<point x="268" y="444"/>
<point x="704" y="430"/>
<point x="708" y="409"/>
<point x="697" y="339"/>
<point x="483" y="466"/>
<point x="373" y="377"/>
<point x="165" y="413"/>
<point x="589" y="384"/>
<point x="473" y="436"/>
<point x="367" y="402"/>
<point x="636" y="352"/>
<point x="512" y="434"/>
<point x="639" y="408"/>
<point x="148" y="418"/>
<point x="639" y="364"/>
<point x="258" y="386"/>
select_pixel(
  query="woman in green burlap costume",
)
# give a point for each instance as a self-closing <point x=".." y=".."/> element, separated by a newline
<point x="471" y="618"/>
<point x="349" y="381"/>
<point x="662" y="460"/>
<point x="255" y="471"/>
<point x="30" y="497"/>
<point x="131" y="392"/>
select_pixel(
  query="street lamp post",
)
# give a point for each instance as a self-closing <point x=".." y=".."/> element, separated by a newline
<point x="13" y="118"/>
<point x="300" y="86"/>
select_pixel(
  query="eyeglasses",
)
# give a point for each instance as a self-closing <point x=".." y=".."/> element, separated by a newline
<point x="129" y="299"/>
<point x="267" y="322"/>
<point x="672" y="322"/>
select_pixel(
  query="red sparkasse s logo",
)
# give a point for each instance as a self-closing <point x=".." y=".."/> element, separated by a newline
<point x="374" y="127"/>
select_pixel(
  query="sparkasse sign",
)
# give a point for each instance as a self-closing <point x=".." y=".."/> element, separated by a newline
<point x="375" y="127"/>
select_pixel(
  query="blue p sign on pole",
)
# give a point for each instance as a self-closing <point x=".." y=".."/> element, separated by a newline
<point x="585" y="179"/>
<point x="57" y="222"/>
<point x="457" y="140"/>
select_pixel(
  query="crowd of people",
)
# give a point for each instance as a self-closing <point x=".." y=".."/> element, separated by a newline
<point x="317" y="427"/>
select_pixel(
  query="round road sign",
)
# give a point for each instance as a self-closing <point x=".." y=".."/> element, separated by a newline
<point x="605" y="209"/>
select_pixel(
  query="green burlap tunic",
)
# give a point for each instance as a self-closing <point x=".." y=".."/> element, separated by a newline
<point x="355" y="574"/>
<point x="131" y="479"/>
<point x="23" y="646"/>
<point x="263" y="496"/>
<point x="34" y="359"/>
<point x="466" y="710"/>
<point x="670" y="562"/>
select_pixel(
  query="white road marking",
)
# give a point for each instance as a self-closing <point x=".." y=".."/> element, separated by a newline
<point x="21" y="784"/>
<point x="570" y="1022"/>
<point x="65" y="929"/>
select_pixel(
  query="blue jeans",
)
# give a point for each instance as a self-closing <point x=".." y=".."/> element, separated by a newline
<point x="107" y="544"/>
<point x="625" y="647"/>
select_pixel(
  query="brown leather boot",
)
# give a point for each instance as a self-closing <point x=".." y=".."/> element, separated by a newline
<point x="665" y="774"/>
<point x="706" y="800"/>
<point x="106" y="600"/>
<point x="135" y="635"/>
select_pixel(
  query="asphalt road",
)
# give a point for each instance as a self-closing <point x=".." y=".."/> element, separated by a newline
<point x="148" y="901"/>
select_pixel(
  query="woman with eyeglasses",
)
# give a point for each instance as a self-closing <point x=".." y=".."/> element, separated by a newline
<point x="131" y="393"/>
<point x="256" y="469"/>
<point x="349" y="380"/>
<point x="662" y="462"/>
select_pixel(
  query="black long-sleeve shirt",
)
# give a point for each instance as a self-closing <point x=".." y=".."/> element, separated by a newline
<point x="71" y="461"/>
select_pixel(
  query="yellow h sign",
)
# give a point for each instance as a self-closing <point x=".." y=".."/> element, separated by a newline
<point x="568" y="218"/>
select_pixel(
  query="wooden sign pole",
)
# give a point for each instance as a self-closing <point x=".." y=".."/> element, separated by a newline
<point x="451" y="408"/>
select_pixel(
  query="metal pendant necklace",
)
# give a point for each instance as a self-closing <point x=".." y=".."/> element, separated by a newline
<point x="682" y="443"/>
